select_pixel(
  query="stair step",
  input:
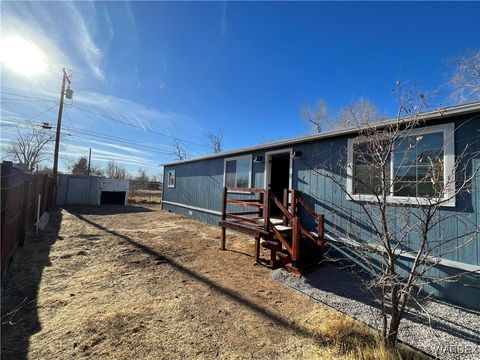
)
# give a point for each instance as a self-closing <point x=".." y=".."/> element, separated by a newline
<point x="284" y="258"/>
<point x="272" y="220"/>
<point x="283" y="228"/>
<point x="272" y="245"/>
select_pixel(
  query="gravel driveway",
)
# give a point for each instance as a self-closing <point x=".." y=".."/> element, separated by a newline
<point x="453" y="334"/>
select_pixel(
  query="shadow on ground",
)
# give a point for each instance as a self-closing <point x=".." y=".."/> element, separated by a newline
<point x="105" y="209"/>
<point x="348" y="285"/>
<point x="231" y="294"/>
<point x="20" y="290"/>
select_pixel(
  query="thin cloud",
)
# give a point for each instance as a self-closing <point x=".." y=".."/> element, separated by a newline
<point x="223" y="20"/>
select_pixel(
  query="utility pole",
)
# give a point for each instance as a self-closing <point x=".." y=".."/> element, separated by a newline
<point x="68" y="92"/>
<point x="89" y="158"/>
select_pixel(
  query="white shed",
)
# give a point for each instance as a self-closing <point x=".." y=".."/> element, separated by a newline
<point x="91" y="190"/>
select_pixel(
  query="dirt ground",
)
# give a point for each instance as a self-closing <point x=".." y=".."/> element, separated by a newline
<point x="137" y="282"/>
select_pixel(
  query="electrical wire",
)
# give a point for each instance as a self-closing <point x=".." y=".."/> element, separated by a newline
<point x="25" y="96"/>
<point x="137" y="126"/>
<point x="89" y="135"/>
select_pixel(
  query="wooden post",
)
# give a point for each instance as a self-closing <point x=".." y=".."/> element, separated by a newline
<point x="223" y="238"/>
<point x="5" y="185"/>
<point x="25" y="219"/>
<point x="256" y="254"/>
<point x="266" y="210"/>
<point x="285" y="204"/>
<point x="261" y="196"/>
<point x="321" y="230"/>
<point x="295" y="242"/>
<point x="38" y="211"/>
<point x="273" y="258"/>
<point x="224" y="216"/>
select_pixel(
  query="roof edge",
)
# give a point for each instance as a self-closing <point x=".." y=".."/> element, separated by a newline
<point x="439" y="113"/>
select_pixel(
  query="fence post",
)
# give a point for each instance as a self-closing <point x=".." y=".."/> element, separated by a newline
<point x="38" y="211"/>
<point x="25" y="218"/>
<point x="5" y="179"/>
<point x="5" y="183"/>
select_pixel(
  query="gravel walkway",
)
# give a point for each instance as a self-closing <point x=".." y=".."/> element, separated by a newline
<point x="453" y="334"/>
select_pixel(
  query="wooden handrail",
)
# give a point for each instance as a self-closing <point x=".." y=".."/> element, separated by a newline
<point x="244" y="213"/>
<point x="281" y="238"/>
<point x="282" y="209"/>
<point x="243" y="200"/>
<point x="246" y="190"/>
<point x="307" y="207"/>
<point x="242" y="218"/>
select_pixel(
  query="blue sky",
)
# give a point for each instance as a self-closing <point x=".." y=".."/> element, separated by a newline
<point x="180" y="70"/>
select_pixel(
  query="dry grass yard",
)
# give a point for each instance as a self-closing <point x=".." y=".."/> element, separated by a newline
<point x="136" y="282"/>
<point x="145" y="197"/>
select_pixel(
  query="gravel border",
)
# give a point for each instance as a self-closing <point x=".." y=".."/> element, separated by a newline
<point x="453" y="334"/>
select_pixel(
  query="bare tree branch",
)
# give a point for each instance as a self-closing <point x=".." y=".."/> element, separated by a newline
<point x="465" y="80"/>
<point x="30" y="147"/>
<point x="317" y="117"/>
<point x="178" y="151"/>
<point x="384" y="158"/>
<point x="216" y="141"/>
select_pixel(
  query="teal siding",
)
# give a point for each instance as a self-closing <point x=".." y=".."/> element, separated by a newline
<point x="200" y="184"/>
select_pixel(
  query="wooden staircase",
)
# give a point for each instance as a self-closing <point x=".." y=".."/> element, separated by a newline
<point x="291" y="245"/>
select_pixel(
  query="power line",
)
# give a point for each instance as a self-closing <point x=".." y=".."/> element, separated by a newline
<point x="41" y="113"/>
<point x="25" y="96"/>
<point x="156" y="100"/>
<point x="124" y="141"/>
<point x="111" y="118"/>
<point x="137" y="126"/>
<point x="29" y="100"/>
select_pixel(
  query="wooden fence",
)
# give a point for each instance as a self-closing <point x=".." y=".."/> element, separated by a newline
<point x="19" y="197"/>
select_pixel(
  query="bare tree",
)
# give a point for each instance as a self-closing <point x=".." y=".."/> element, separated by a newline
<point x="142" y="176"/>
<point x="315" y="118"/>
<point x="362" y="112"/>
<point x="409" y="227"/>
<point x="30" y="147"/>
<point x="465" y="81"/>
<point x="114" y="171"/>
<point x="178" y="151"/>
<point x="216" y="141"/>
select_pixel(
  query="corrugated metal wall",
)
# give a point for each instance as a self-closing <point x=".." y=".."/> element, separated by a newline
<point x="199" y="184"/>
<point x="78" y="190"/>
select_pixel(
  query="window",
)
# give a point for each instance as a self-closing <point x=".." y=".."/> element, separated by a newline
<point x="417" y="171"/>
<point x="237" y="172"/>
<point x="171" y="178"/>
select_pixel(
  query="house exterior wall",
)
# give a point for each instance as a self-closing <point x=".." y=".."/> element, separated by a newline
<point x="199" y="184"/>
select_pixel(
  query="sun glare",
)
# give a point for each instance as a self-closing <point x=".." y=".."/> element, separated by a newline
<point x="22" y="56"/>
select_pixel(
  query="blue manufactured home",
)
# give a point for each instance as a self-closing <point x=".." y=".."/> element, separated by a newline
<point x="195" y="188"/>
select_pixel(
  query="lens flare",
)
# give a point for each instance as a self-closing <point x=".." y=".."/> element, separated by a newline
<point x="22" y="56"/>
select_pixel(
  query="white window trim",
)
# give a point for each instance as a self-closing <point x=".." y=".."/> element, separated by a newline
<point x="244" y="157"/>
<point x="268" y="167"/>
<point x="448" y="131"/>
<point x="171" y="186"/>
